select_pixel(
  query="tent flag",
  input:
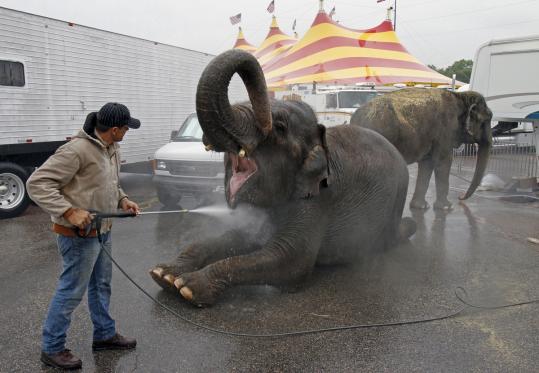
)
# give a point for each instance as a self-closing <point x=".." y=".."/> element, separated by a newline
<point x="235" y="19"/>
<point x="294" y="25"/>
<point x="271" y="7"/>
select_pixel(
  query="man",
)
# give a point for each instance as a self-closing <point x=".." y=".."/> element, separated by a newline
<point x="83" y="175"/>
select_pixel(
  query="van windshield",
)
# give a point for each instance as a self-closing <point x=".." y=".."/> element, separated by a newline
<point x="190" y="130"/>
<point x="355" y="99"/>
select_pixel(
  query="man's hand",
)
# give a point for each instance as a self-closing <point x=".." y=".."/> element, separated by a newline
<point x="128" y="205"/>
<point x="78" y="217"/>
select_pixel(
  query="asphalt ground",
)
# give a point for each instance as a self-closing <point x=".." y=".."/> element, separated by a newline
<point x="481" y="245"/>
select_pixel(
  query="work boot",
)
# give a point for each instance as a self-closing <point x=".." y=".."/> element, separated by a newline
<point x="63" y="360"/>
<point x="117" y="342"/>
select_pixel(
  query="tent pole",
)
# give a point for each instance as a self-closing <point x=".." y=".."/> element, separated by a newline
<point x="395" y="17"/>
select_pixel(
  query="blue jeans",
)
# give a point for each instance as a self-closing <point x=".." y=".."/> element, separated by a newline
<point x="85" y="266"/>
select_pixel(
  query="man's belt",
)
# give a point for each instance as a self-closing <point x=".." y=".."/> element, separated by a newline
<point x="70" y="232"/>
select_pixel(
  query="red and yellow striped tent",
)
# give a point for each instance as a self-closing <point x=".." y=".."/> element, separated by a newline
<point x="243" y="44"/>
<point x="332" y="54"/>
<point x="274" y="45"/>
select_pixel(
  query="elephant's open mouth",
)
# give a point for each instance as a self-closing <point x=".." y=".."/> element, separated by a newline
<point x="242" y="169"/>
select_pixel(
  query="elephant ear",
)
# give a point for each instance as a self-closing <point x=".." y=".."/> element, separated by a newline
<point x="315" y="169"/>
<point x="471" y="121"/>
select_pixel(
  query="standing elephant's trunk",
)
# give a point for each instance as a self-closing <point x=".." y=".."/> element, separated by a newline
<point x="485" y="144"/>
<point x="226" y="127"/>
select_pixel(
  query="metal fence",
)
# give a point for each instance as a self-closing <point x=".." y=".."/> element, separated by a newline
<point x="508" y="158"/>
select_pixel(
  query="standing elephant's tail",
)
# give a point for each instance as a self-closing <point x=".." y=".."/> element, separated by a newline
<point x="407" y="227"/>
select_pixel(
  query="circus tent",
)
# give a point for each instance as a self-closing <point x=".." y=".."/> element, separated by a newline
<point x="243" y="44"/>
<point x="274" y="45"/>
<point x="330" y="53"/>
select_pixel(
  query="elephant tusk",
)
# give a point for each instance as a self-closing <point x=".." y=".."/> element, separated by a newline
<point x="208" y="148"/>
<point x="241" y="153"/>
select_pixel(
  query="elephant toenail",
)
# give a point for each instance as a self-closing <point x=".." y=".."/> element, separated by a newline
<point x="186" y="293"/>
<point x="158" y="272"/>
<point x="179" y="283"/>
<point x="169" y="278"/>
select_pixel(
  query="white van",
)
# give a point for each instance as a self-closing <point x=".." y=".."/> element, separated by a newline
<point x="183" y="167"/>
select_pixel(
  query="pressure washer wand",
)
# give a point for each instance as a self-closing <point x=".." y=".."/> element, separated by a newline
<point x="98" y="217"/>
<point x="161" y="212"/>
<point x="130" y="214"/>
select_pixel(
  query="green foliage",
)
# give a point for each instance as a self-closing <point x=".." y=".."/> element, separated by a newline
<point x="462" y="68"/>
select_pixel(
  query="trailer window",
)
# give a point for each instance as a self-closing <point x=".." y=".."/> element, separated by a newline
<point x="331" y="101"/>
<point x="11" y="73"/>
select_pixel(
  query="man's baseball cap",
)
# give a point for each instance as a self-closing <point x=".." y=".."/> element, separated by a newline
<point x="114" y="114"/>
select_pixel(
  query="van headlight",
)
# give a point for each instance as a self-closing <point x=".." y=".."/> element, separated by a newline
<point x="161" y="165"/>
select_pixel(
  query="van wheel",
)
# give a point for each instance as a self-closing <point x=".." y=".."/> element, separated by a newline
<point x="14" y="199"/>
<point x="166" y="198"/>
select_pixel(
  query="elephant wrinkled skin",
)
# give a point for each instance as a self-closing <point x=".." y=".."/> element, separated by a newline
<point x="330" y="195"/>
<point x="425" y="125"/>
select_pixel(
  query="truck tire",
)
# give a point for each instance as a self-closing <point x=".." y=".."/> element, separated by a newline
<point x="14" y="199"/>
<point x="166" y="198"/>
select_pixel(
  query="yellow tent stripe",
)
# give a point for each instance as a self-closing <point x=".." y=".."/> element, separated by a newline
<point x="268" y="56"/>
<point x="324" y="30"/>
<point x="247" y="48"/>
<point x="274" y="39"/>
<point x="338" y="53"/>
<point x="360" y="72"/>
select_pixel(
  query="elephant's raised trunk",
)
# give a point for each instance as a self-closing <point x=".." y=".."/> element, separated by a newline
<point x="226" y="127"/>
<point x="482" y="160"/>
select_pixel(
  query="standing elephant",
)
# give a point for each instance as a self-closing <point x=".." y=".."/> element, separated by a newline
<point x="330" y="195"/>
<point x="425" y="125"/>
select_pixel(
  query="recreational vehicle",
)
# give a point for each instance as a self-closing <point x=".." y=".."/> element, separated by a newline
<point x="505" y="72"/>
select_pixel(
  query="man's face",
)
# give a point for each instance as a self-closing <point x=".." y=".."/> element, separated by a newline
<point x="118" y="133"/>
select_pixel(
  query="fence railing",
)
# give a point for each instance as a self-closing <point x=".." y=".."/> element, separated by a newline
<point x="508" y="158"/>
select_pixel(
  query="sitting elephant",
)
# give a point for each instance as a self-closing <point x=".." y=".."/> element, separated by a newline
<point x="425" y="125"/>
<point x="329" y="194"/>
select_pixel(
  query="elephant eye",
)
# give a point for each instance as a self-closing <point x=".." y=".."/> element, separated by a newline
<point x="280" y="126"/>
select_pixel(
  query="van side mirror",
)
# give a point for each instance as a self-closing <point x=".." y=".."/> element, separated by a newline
<point x="174" y="134"/>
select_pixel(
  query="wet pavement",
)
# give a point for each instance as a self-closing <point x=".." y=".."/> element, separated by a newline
<point x="481" y="245"/>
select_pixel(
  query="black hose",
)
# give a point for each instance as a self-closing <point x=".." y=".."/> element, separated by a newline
<point x="466" y="305"/>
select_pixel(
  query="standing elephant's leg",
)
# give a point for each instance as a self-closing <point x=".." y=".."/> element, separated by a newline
<point x="441" y="174"/>
<point x="424" y="173"/>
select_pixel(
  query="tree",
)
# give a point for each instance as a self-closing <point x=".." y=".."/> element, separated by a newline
<point x="462" y="68"/>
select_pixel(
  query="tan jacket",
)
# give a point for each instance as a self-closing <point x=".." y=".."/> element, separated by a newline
<point x="83" y="173"/>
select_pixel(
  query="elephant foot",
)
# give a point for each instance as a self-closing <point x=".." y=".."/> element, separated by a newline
<point x="164" y="276"/>
<point x="443" y="205"/>
<point x="197" y="288"/>
<point x="419" y="204"/>
<point x="407" y="227"/>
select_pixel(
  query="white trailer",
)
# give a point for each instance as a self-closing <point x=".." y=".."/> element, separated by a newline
<point x="506" y="72"/>
<point x="53" y="73"/>
<point x="333" y="105"/>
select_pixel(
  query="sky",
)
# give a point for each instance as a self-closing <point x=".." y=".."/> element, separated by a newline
<point x="437" y="32"/>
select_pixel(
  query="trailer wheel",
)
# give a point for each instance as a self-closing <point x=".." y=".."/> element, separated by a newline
<point x="13" y="196"/>
<point x="166" y="198"/>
